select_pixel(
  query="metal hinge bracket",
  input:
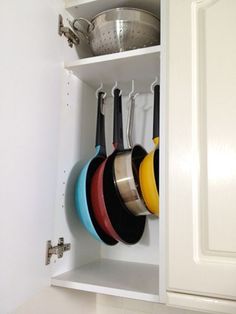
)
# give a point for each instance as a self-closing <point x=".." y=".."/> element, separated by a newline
<point x="58" y="250"/>
<point x="72" y="38"/>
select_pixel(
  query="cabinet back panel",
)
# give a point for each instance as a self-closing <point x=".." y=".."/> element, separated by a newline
<point x="78" y="117"/>
<point x="147" y="250"/>
<point x="77" y="138"/>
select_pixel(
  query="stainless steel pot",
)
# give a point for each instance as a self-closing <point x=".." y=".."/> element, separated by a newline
<point x="126" y="172"/>
<point x="120" y="29"/>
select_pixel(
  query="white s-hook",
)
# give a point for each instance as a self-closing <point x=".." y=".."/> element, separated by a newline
<point x="113" y="89"/>
<point x="132" y="94"/>
<point x="99" y="90"/>
<point x="153" y="84"/>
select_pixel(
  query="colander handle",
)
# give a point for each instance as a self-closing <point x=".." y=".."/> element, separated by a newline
<point x="76" y="25"/>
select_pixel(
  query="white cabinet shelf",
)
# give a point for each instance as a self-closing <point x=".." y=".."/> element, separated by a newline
<point x="142" y="64"/>
<point x="123" y="279"/>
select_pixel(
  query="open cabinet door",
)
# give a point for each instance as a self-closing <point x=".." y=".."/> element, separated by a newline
<point x="202" y="150"/>
<point x="31" y="83"/>
<point x="30" y="97"/>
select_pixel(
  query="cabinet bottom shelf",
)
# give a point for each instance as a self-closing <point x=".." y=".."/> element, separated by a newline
<point x="117" y="278"/>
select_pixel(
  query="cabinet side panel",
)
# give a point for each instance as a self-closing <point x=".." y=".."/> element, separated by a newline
<point x="76" y="147"/>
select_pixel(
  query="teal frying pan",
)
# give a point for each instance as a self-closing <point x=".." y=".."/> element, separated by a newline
<point x="83" y="184"/>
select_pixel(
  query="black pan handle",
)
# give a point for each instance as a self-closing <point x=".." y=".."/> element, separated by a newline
<point x="100" y="132"/>
<point x="156" y="112"/>
<point x="117" y="122"/>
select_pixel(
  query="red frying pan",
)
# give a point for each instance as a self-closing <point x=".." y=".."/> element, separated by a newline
<point x="109" y="209"/>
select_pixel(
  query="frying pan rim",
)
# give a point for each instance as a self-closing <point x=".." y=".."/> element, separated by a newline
<point x="157" y="176"/>
<point x="110" y="229"/>
<point x="82" y="189"/>
<point x="153" y="179"/>
<point x="113" y="208"/>
<point x="139" y="193"/>
<point x="126" y="210"/>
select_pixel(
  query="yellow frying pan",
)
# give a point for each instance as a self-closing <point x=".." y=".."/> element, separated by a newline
<point x="149" y="168"/>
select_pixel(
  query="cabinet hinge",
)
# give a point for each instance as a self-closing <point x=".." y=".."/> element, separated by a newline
<point x="58" y="249"/>
<point x="72" y="38"/>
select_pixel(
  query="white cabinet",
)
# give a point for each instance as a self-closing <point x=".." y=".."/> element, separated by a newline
<point x="55" y="130"/>
<point x="126" y="271"/>
<point x="47" y="126"/>
<point x="202" y="150"/>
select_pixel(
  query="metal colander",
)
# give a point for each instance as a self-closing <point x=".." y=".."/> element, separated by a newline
<point x="120" y="29"/>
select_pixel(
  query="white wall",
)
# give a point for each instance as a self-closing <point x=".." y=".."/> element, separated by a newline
<point x="53" y="300"/>
<point x="61" y="301"/>
<point x="114" y="305"/>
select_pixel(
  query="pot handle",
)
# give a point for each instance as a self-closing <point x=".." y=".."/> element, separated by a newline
<point x="156" y="114"/>
<point x="117" y="122"/>
<point x="100" y="131"/>
<point x="76" y="25"/>
<point x="130" y="122"/>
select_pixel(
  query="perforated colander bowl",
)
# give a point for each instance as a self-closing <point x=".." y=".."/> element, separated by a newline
<point x="121" y="29"/>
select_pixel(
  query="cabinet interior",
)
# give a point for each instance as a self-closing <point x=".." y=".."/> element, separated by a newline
<point x="128" y="271"/>
<point x="89" y="8"/>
